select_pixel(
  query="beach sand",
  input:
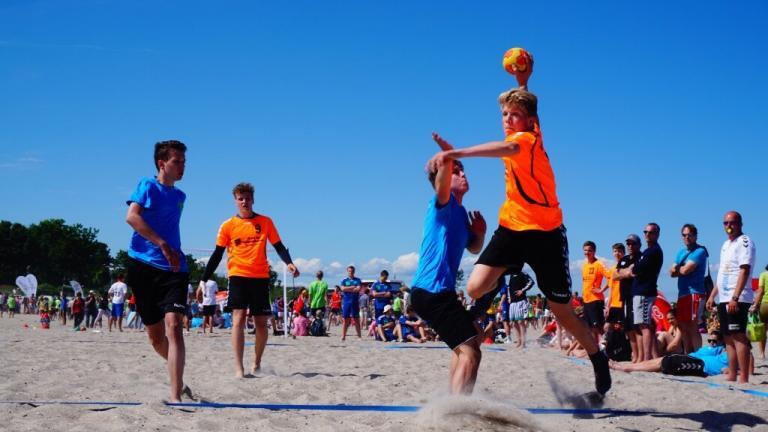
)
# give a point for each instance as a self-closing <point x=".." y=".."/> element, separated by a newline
<point x="63" y="365"/>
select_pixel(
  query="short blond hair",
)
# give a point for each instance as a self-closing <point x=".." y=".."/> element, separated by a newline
<point x="522" y="98"/>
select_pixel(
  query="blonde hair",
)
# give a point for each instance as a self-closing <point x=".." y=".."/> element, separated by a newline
<point x="522" y="98"/>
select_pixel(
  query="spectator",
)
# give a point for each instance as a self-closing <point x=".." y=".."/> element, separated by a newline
<point x="592" y="273"/>
<point x="735" y="298"/>
<point x="689" y="268"/>
<point x="381" y="291"/>
<point x="317" y="292"/>
<point x="78" y="310"/>
<point x="117" y="293"/>
<point x="645" y="290"/>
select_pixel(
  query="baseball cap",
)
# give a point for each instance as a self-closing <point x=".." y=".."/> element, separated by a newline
<point x="387" y="308"/>
<point x="635" y="238"/>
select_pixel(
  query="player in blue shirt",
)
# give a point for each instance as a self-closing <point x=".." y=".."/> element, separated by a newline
<point x="448" y="230"/>
<point x="411" y="326"/>
<point x="381" y="291"/>
<point x="350" y="302"/>
<point x="157" y="270"/>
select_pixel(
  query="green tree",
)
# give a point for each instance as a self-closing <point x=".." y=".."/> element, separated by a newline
<point x="13" y="250"/>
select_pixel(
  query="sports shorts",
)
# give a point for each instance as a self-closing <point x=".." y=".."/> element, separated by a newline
<point x="445" y="314"/>
<point x="209" y="310"/>
<point x="545" y="251"/>
<point x="157" y="291"/>
<point x="615" y="315"/>
<point x="518" y="311"/>
<point x="733" y="323"/>
<point x="249" y="293"/>
<point x="117" y="310"/>
<point x="642" y="310"/>
<point x="690" y="308"/>
<point x="682" y="365"/>
<point x="594" y="314"/>
<point x="350" y="308"/>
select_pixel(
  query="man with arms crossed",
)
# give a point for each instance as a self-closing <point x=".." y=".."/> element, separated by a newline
<point x="245" y="236"/>
<point x="735" y="297"/>
<point x="448" y="230"/>
<point x="157" y="271"/>
<point x="689" y="268"/>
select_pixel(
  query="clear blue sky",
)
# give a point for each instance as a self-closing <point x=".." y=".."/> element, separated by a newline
<point x="653" y="111"/>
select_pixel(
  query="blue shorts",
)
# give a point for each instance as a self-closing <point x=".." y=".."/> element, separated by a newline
<point x="117" y="310"/>
<point x="350" y="309"/>
<point x="389" y="334"/>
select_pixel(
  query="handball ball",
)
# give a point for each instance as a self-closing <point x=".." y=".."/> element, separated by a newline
<point x="516" y="60"/>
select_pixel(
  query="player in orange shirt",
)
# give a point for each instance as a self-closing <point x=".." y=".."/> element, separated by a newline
<point x="615" y="305"/>
<point x="592" y="274"/>
<point x="531" y="226"/>
<point x="245" y="237"/>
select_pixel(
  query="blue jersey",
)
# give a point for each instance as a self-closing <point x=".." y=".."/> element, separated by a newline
<point x="162" y="206"/>
<point x="692" y="283"/>
<point x="715" y="358"/>
<point x="446" y="234"/>
<point x="349" y="297"/>
<point x="385" y="319"/>
<point x="380" y="287"/>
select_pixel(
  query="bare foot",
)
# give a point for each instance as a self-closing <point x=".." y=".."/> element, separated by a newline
<point x="240" y="373"/>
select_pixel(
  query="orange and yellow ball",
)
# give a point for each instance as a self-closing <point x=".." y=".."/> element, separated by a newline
<point x="516" y="60"/>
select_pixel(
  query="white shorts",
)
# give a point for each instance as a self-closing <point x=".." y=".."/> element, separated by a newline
<point x="518" y="311"/>
<point x="642" y="308"/>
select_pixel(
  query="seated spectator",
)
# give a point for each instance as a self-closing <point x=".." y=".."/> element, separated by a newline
<point x="706" y="361"/>
<point x="386" y="325"/>
<point x="412" y="327"/>
<point x="300" y="325"/>
<point x="670" y="341"/>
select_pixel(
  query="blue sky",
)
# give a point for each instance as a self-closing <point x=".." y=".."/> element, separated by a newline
<point x="650" y="112"/>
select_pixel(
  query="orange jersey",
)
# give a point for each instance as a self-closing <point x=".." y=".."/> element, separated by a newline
<point x="592" y="279"/>
<point x="246" y="243"/>
<point x="531" y="202"/>
<point x="615" y="301"/>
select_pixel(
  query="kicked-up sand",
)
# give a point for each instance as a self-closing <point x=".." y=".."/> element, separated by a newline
<point x="379" y="386"/>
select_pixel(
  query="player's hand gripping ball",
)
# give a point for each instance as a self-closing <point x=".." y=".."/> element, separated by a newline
<point x="517" y="60"/>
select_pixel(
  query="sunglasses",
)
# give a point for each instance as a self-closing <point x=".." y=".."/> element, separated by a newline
<point x="650" y="232"/>
<point x="730" y="223"/>
<point x="688" y="235"/>
<point x="712" y="341"/>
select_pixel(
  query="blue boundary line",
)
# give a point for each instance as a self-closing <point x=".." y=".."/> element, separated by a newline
<point x="325" y="407"/>
<point x="718" y="385"/>
<point x="432" y="347"/>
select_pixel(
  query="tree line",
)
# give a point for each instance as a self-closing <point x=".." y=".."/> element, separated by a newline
<point x="56" y="253"/>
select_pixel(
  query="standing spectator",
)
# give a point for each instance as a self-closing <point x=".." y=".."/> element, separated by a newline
<point x="64" y="308"/>
<point x="381" y="291"/>
<point x="317" y="292"/>
<point x="350" y="302"/>
<point x="592" y="290"/>
<point x="762" y="300"/>
<point x="519" y="284"/>
<point x="615" y="305"/>
<point x="91" y="309"/>
<point x="397" y="304"/>
<point x="78" y="310"/>
<point x="365" y="307"/>
<point x="206" y="294"/>
<point x="627" y="279"/>
<point x="735" y="297"/>
<point x="689" y="268"/>
<point x="3" y="300"/>
<point x="11" y="302"/>
<point x="103" y="311"/>
<point x="117" y="293"/>
<point x="333" y="317"/>
<point x="645" y="289"/>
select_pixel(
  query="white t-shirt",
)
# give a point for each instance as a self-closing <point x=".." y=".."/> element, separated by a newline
<point x="118" y="291"/>
<point x="209" y="293"/>
<point x="733" y="255"/>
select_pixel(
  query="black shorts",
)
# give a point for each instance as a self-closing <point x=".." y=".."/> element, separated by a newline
<point x="615" y="315"/>
<point x="733" y="324"/>
<point x="682" y="365"/>
<point x="157" y="292"/>
<point x="594" y="314"/>
<point x="209" y="310"/>
<point x="251" y="294"/>
<point x="545" y="251"/>
<point x="445" y="314"/>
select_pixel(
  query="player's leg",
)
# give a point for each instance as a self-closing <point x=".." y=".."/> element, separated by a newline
<point x="238" y="339"/>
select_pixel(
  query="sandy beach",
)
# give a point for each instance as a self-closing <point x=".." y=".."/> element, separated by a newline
<point x="534" y="389"/>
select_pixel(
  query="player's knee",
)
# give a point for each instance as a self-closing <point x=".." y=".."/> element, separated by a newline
<point x="474" y="289"/>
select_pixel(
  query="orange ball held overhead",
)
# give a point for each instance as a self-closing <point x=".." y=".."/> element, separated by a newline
<point x="516" y="60"/>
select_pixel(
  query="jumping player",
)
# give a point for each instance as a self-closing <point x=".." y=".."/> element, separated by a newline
<point x="531" y="226"/>
<point x="245" y="236"/>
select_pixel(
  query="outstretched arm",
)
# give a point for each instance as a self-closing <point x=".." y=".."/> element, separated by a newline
<point x="286" y="257"/>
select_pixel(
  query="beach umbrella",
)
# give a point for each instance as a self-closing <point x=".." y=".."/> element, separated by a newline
<point x="27" y="284"/>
